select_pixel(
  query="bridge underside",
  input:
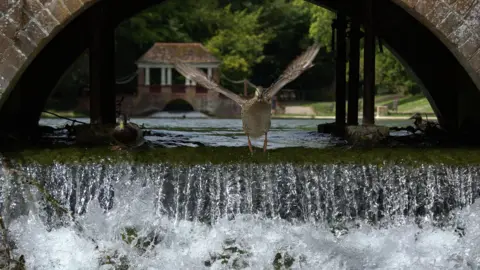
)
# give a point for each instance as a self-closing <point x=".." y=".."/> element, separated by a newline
<point x="449" y="88"/>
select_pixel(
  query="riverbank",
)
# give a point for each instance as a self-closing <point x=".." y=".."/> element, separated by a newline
<point x="406" y="105"/>
<point x="67" y="114"/>
<point x="328" y="117"/>
<point x="72" y="115"/>
<point x="235" y="155"/>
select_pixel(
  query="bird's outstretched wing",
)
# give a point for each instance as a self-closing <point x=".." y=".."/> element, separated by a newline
<point x="200" y="77"/>
<point x="296" y="67"/>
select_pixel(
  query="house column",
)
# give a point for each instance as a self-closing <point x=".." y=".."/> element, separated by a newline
<point x="189" y="82"/>
<point x="169" y="76"/>
<point x="147" y="76"/>
<point x="163" y="81"/>
<point x="209" y="73"/>
<point x="141" y="76"/>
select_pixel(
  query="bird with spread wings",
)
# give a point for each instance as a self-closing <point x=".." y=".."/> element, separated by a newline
<point x="256" y="112"/>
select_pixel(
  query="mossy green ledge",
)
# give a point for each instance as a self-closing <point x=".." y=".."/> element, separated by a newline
<point x="229" y="155"/>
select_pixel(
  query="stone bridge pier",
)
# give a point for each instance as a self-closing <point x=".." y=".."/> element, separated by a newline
<point x="438" y="41"/>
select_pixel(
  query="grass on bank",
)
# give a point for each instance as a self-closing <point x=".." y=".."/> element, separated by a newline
<point x="229" y="155"/>
<point x="406" y="105"/>
<point x="69" y="114"/>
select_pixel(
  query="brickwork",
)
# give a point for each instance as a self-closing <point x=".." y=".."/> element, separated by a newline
<point x="26" y="25"/>
<point x="457" y="23"/>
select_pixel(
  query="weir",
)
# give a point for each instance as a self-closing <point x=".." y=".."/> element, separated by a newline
<point x="315" y="213"/>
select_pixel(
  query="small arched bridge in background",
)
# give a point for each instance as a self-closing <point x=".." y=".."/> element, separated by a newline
<point x="438" y="40"/>
<point x="155" y="93"/>
<point x="170" y="98"/>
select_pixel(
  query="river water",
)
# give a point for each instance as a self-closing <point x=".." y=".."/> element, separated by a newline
<point x="194" y="130"/>
<point x="244" y="216"/>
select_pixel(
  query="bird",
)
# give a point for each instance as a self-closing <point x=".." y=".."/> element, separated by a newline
<point x="127" y="134"/>
<point x="425" y="126"/>
<point x="255" y="112"/>
<point x="419" y="123"/>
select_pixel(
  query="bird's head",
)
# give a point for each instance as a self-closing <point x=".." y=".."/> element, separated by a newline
<point x="121" y="121"/>
<point x="260" y="93"/>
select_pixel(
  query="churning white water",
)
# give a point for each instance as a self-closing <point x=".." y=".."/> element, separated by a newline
<point x="214" y="217"/>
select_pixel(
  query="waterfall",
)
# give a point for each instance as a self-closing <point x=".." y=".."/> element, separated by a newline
<point x="165" y="199"/>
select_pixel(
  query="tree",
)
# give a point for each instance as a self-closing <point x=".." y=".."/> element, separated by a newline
<point x="255" y="39"/>
<point x="320" y="22"/>
<point x="239" y="41"/>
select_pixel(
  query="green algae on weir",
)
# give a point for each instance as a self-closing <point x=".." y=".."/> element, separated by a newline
<point x="229" y="155"/>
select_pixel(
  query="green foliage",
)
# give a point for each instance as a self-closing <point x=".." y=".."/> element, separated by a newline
<point x="240" y="41"/>
<point x="391" y="75"/>
<point x="254" y="39"/>
<point x="321" y="22"/>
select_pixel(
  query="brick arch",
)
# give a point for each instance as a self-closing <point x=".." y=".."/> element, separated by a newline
<point x="456" y="23"/>
<point x="34" y="32"/>
<point x="26" y="27"/>
<point x="176" y="99"/>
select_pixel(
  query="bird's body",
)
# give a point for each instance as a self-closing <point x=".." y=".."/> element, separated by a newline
<point x="256" y="117"/>
<point x="419" y="123"/>
<point x="128" y="134"/>
<point x="256" y="112"/>
<point x="429" y="128"/>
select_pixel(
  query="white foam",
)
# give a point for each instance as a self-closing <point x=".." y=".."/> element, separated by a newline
<point x="187" y="244"/>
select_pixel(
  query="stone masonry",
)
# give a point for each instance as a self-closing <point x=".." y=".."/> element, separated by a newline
<point x="456" y="23"/>
<point x="26" y="26"/>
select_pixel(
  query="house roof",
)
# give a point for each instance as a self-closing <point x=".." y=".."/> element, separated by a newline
<point x="161" y="53"/>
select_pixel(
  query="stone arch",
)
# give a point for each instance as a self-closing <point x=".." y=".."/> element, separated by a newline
<point x="456" y="23"/>
<point x="179" y="104"/>
<point x="34" y="32"/>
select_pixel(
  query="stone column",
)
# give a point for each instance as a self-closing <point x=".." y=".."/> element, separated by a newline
<point x="169" y="76"/>
<point x="147" y="76"/>
<point x="354" y="71"/>
<point x="102" y="66"/>
<point x="340" y="73"/>
<point x="369" y="67"/>
<point x="209" y="73"/>
<point x="163" y="80"/>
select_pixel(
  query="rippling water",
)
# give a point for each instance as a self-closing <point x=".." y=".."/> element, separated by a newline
<point x="228" y="132"/>
<point x="322" y="216"/>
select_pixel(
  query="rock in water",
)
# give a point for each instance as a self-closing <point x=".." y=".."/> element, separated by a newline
<point x="366" y="135"/>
